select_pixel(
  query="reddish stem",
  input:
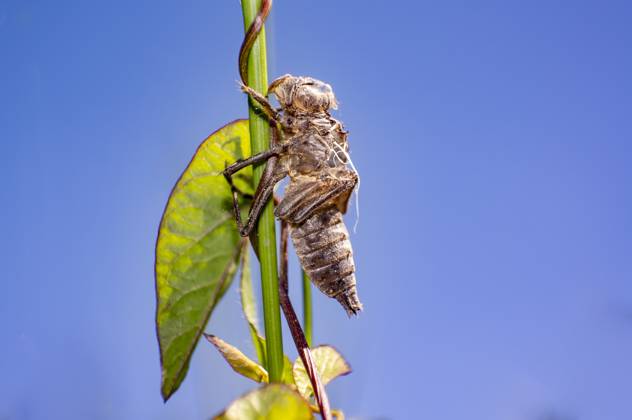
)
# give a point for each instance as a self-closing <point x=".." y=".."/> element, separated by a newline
<point x="297" y="332"/>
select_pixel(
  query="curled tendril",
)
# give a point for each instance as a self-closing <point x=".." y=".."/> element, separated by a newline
<point x="251" y="37"/>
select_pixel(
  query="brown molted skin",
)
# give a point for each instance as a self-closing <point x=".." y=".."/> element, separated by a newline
<point x="319" y="189"/>
<point x="310" y="146"/>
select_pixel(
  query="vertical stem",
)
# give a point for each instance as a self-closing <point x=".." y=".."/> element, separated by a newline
<point x="307" y="308"/>
<point x="260" y="141"/>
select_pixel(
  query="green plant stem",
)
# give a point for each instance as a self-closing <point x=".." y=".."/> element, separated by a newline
<point x="307" y="308"/>
<point x="260" y="141"/>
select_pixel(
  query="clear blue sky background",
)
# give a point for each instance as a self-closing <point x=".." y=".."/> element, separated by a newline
<point x="494" y="249"/>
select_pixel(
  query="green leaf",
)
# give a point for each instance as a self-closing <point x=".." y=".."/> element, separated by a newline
<point x="260" y="346"/>
<point x="198" y="249"/>
<point x="249" y="307"/>
<point x="238" y="361"/>
<point x="288" y="372"/>
<point x="329" y="363"/>
<point x="271" y="402"/>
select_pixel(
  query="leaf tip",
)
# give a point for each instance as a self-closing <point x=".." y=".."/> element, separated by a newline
<point x="166" y="392"/>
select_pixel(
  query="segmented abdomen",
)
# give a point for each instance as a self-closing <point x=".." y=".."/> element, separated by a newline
<point x="323" y="246"/>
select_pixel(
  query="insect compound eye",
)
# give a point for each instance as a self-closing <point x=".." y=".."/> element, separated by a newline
<point x="326" y="95"/>
<point x="324" y="88"/>
<point x="314" y="96"/>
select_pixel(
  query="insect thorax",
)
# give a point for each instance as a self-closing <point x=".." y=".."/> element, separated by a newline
<point x="317" y="143"/>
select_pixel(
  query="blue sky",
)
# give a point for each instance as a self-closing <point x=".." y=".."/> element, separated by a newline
<point x="494" y="248"/>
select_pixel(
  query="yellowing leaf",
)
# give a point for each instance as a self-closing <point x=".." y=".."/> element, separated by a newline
<point x="239" y="361"/>
<point x="271" y="402"/>
<point x="198" y="249"/>
<point x="329" y="363"/>
<point x="288" y="375"/>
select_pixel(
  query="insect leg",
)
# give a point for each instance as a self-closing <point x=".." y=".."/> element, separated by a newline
<point x="263" y="102"/>
<point x="269" y="179"/>
<point x="252" y="160"/>
<point x="301" y="201"/>
<point x="242" y="163"/>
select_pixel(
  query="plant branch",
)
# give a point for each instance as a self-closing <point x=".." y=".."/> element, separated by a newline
<point x="253" y="71"/>
<point x="307" y="308"/>
<point x="297" y="333"/>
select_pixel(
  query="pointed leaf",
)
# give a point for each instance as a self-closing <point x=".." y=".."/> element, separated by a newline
<point x="329" y="363"/>
<point x="198" y="249"/>
<point x="259" y="344"/>
<point x="271" y="402"/>
<point x="249" y="307"/>
<point x="238" y="361"/>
